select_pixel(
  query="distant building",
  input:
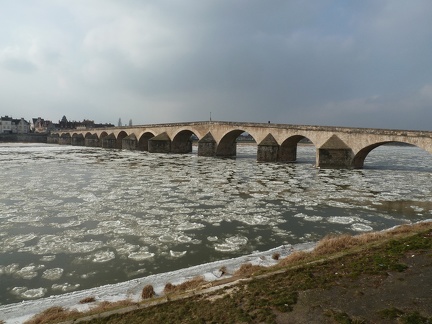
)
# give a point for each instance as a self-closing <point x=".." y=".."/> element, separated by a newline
<point x="10" y="125"/>
<point x="245" y="137"/>
<point x="81" y="125"/>
<point x="40" y="125"/>
<point x="6" y="125"/>
<point x="22" y="126"/>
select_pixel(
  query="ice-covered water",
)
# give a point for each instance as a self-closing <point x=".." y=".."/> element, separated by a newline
<point x="73" y="218"/>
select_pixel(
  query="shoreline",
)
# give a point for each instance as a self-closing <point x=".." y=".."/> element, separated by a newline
<point x="19" y="312"/>
<point x="131" y="290"/>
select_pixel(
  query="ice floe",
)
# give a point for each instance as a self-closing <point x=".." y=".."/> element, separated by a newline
<point x="177" y="254"/>
<point x="103" y="256"/>
<point x="141" y="255"/>
<point x="341" y="219"/>
<point x="358" y="227"/>
<point x="66" y="287"/>
<point x="26" y="293"/>
<point x="53" y="274"/>
<point x="29" y="272"/>
<point x="231" y="244"/>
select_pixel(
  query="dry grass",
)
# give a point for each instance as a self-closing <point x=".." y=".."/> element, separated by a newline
<point x="106" y="306"/>
<point x="332" y="244"/>
<point x="59" y="314"/>
<point x="169" y="288"/>
<point x="369" y="237"/>
<point x="193" y="283"/>
<point x="53" y="314"/>
<point x="295" y="257"/>
<point x="223" y="270"/>
<point x="87" y="300"/>
<point x="247" y="270"/>
<point x="147" y="292"/>
<point x="403" y="229"/>
<point x="276" y="256"/>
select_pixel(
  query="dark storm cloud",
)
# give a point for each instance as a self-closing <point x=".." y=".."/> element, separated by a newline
<point x="312" y="62"/>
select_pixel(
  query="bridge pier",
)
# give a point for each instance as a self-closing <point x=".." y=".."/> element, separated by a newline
<point x="129" y="142"/>
<point x="181" y="147"/>
<point x="143" y="143"/>
<point x="65" y="139"/>
<point x="53" y="139"/>
<point x="268" y="149"/>
<point x="78" y="140"/>
<point x="109" y="141"/>
<point x="288" y="153"/>
<point x="207" y="145"/>
<point x="288" y="149"/>
<point x="182" y="143"/>
<point x="226" y="149"/>
<point x="92" y="141"/>
<point x="335" y="154"/>
<point x="160" y="144"/>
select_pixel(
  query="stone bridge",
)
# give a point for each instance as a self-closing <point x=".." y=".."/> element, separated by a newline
<point x="336" y="147"/>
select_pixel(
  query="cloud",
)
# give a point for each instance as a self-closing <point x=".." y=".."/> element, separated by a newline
<point x="328" y="62"/>
<point x="14" y="60"/>
<point x="426" y="93"/>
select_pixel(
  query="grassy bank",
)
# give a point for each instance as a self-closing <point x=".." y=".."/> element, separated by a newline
<point x="383" y="277"/>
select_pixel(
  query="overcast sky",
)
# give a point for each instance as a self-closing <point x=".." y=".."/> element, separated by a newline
<point x="361" y="63"/>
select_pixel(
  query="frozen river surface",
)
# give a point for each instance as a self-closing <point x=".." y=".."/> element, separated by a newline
<point x="73" y="218"/>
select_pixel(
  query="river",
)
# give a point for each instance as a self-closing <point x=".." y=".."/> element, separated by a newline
<point x="74" y="218"/>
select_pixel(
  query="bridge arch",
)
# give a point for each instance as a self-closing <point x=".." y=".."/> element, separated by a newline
<point x="77" y="139"/>
<point x="119" y="139"/>
<point x="182" y="141"/>
<point x="88" y="135"/>
<point x="227" y="145"/>
<point x="65" y="139"/>
<point x="102" y="135"/>
<point x="112" y="141"/>
<point x="288" y="148"/>
<point x="91" y="140"/>
<point x="360" y="157"/>
<point x="143" y="140"/>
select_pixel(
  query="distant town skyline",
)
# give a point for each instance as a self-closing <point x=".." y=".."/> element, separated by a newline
<point x="326" y="62"/>
<point x="11" y="125"/>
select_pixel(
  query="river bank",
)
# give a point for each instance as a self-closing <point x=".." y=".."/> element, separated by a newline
<point x="20" y="312"/>
<point x="23" y="138"/>
<point x="386" y="275"/>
